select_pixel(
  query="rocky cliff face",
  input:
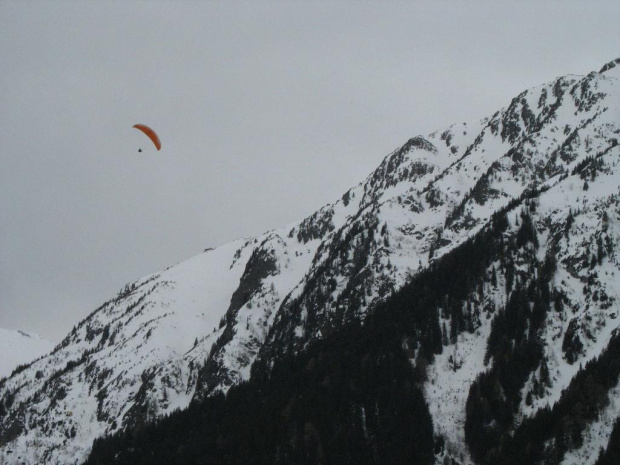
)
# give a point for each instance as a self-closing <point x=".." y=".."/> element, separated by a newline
<point x="202" y="326"/>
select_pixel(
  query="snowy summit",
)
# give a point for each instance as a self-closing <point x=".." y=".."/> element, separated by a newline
<point x="485" y="255"/>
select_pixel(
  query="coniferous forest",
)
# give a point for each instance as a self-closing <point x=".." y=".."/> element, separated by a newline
<point x="460" y="305"/>
<point x="355" y="397"/>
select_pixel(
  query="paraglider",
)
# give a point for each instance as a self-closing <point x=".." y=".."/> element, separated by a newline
<point x="150" y="134"/>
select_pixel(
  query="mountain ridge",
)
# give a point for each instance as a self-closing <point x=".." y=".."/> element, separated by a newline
<point x="19" y="347"/>
<point x="202" y="326"/>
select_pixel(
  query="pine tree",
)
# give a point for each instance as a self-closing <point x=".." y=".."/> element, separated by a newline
<point x="453" y="330"/>
<point x="528" y="399"/>
<point x="544" y="373"/>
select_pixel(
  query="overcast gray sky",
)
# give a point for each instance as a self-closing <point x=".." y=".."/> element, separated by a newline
<point x="266" y="111"/>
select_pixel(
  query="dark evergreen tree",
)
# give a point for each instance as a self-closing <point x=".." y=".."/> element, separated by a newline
<point x="611" y="455"/>
<point x="444" y="333"/>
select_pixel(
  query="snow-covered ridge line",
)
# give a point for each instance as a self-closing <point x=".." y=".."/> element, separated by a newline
<point x="200" y="326"/>
<point x="18" y="349"/>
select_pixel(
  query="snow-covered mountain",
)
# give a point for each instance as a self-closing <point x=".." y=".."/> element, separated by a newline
<point x="204" y="325"/>
<point x="18" y="347"/>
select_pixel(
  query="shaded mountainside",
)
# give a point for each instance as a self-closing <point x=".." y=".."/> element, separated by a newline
<point x="358" y="396"/>
<point x="441" y="310"/>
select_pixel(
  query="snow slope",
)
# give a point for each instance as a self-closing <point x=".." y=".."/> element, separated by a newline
<point x="202" y="325"/>
<point x="18" y="347"/>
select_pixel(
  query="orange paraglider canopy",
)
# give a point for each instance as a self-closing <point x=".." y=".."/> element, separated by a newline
<point x="150" y="133"/>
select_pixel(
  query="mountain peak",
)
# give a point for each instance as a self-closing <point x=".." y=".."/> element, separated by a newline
<point x="418" y="142"/>
<point x="157" y="346"/>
